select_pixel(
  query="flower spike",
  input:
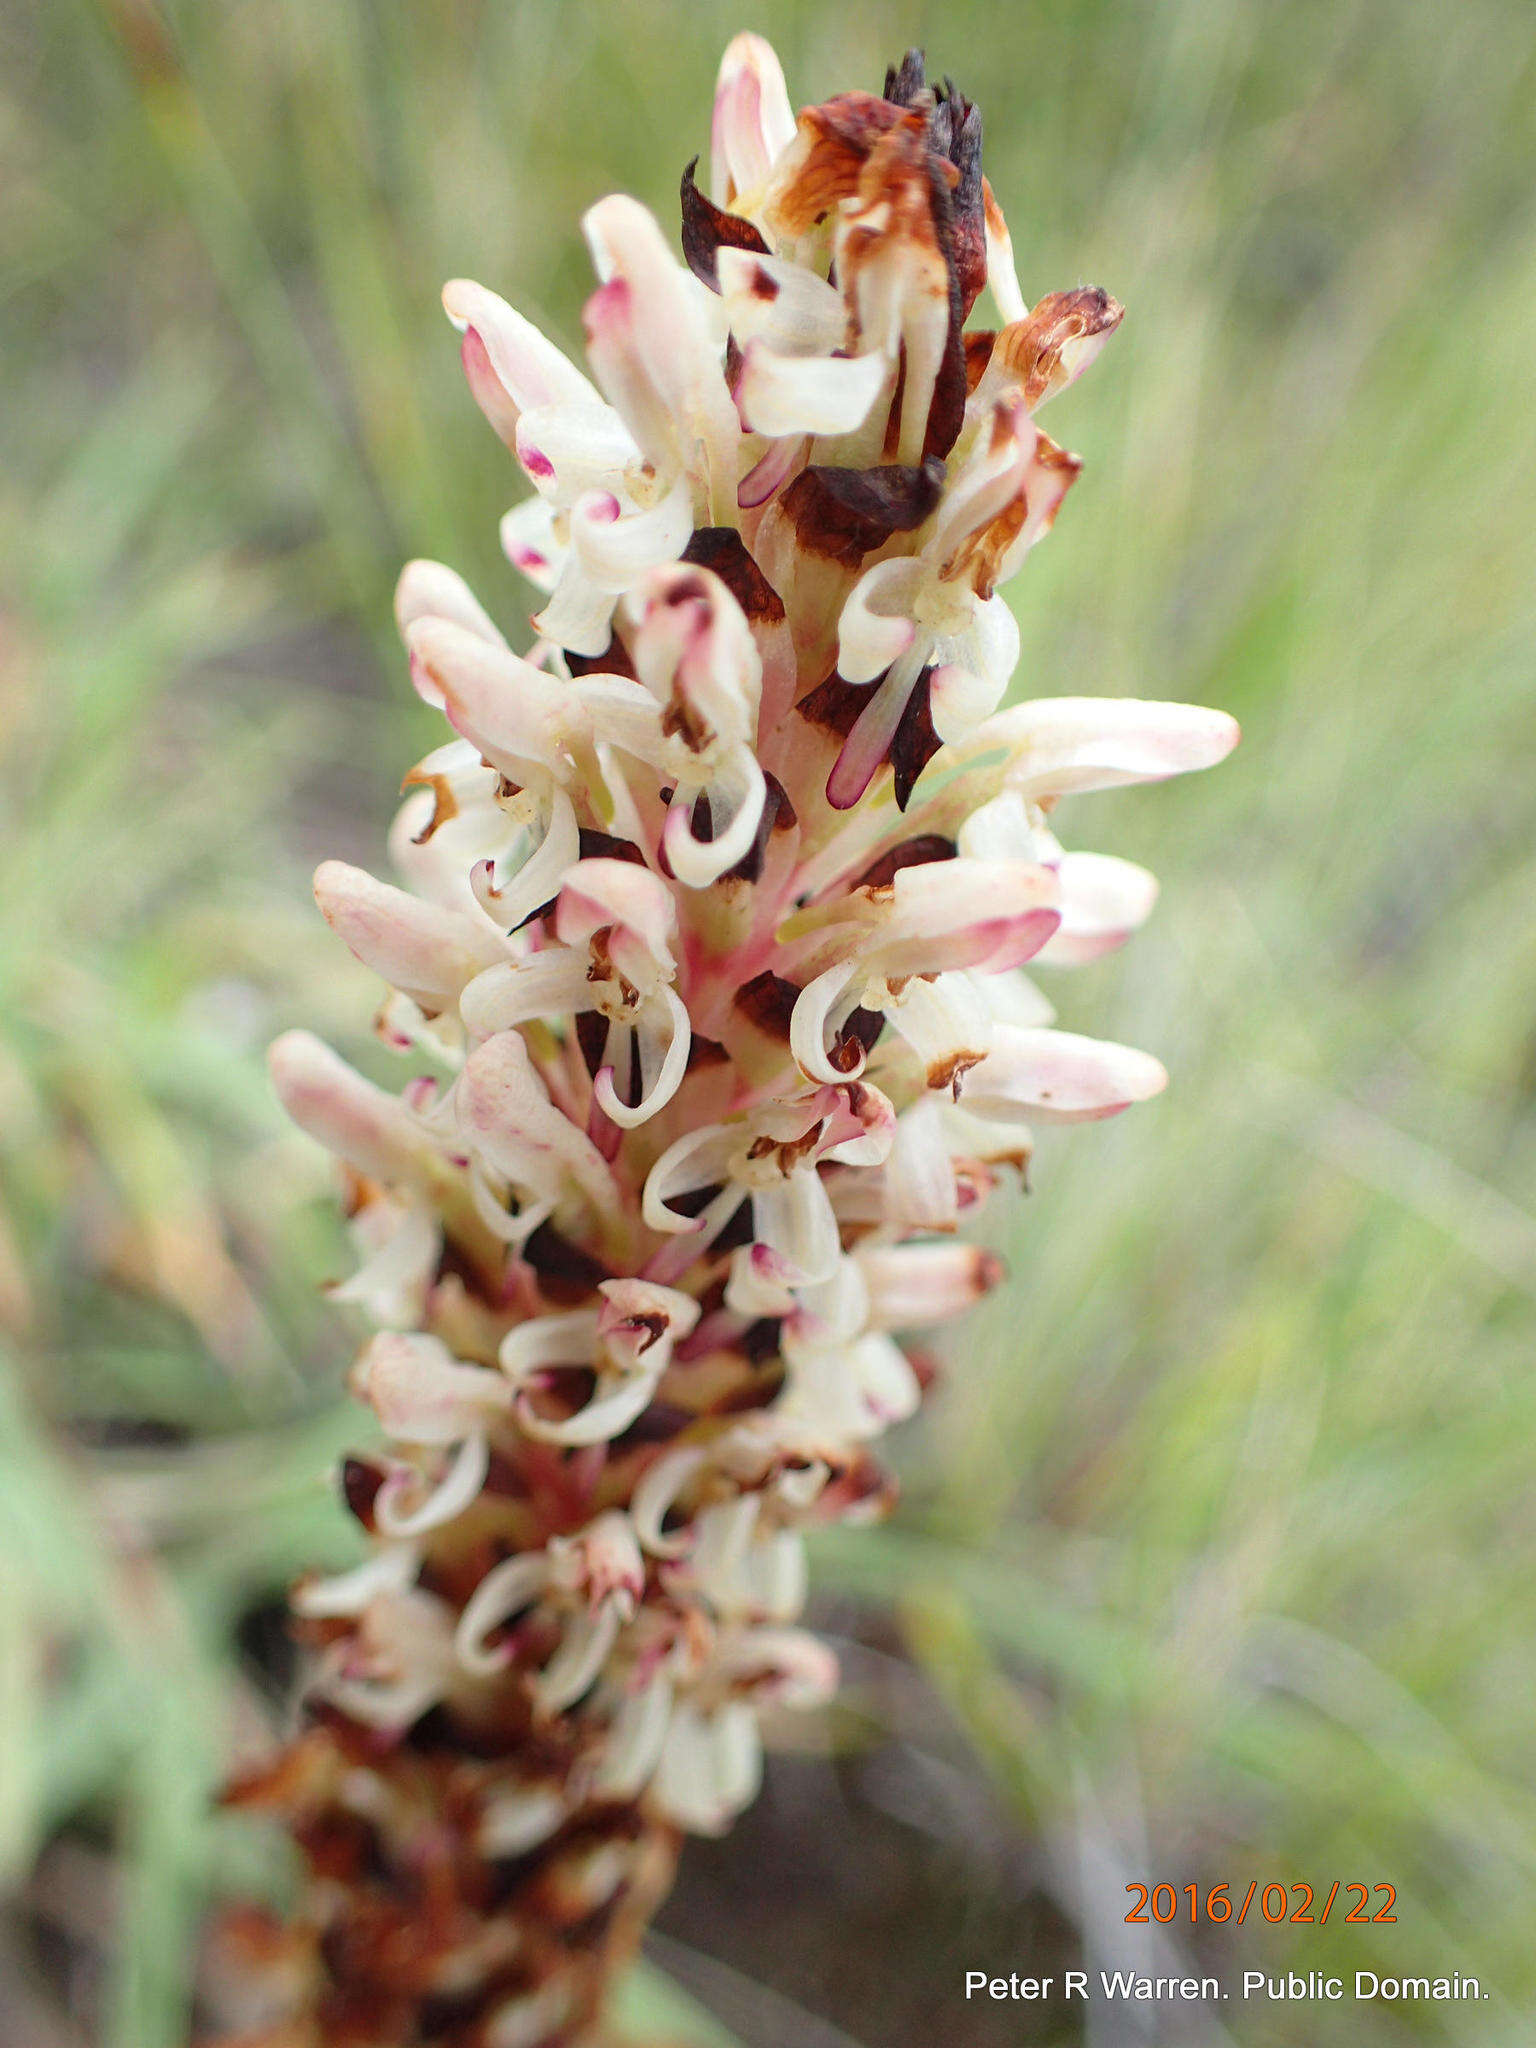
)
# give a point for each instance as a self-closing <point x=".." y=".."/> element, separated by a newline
<point x="712" y="918"/>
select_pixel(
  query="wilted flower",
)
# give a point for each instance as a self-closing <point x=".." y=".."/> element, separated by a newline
<point x="711" y="937"/>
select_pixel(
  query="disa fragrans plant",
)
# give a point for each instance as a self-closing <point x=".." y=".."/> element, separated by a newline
<point x="715" y="913"/>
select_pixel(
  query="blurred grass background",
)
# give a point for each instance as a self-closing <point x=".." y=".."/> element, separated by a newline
<point x="1216" y="1558"/>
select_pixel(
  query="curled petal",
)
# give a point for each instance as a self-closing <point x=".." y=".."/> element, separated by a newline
<point x="616" y="549"/>
<point x="816" y="1007"/>
<point x="618" y="1400"/>
<point x="391" y="1569"/>
<point x="504" y="1592"/>
<point x="582" y="1653"/>
<point x="876" y="626"/>
<point x="695" y="1160"/>
<point x="635" y="1742"/>
<point x="549" y="984"/>
<point x="656" y="1494"/>
<point x="663" y="1063"/>
<point x="508" y="902"/>
<point x="446" y="1501"/>
<point x="735" y="800"/>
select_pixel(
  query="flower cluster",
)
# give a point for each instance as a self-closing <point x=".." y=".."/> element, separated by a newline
<point x="710" y="950"/>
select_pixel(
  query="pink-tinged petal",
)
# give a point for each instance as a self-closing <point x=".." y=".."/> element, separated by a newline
<point x="783" y="394"/>
<point x="421" y="1393"/>
<point x="422" y="949"/>
<point x="1103" y="900"/>
<point x="371" y="1130"/>
<point x="1060" y="745"/>
<point x="569" y="449"/>
<point x="785" y="1665"/>
<point x="650" y="347"/>
<point x="505" y="1113"/>
<point x="615" y="549"/>
<point x="868" y="745"/>
<point x="913" y="1286"/>
<point x="753" y="122"/>
<point x="693" y="649"/>
<point x="429" y="590"/>
<point x="600" y="894"/>
<point x="495" y="699"/>
<point x="876" y="626"/>
<point x="528" y="541"/>
<point x="1058" y="1077"/>
<point x="511" y="367"/>
<point x="771" y="470"/>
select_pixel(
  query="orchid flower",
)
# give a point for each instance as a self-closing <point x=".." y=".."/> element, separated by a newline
<point x="710" y="939"/>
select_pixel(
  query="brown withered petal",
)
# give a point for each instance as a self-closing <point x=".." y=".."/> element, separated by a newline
<point x="834" y="141"/>
<point x="916" y="742"/>
<point x="768" y="1000"/>
<point x="911" y="853"/>
<point x="708" y="228"/>
<point x="979" y="344"/>
<point x="722" y="550"/>
<point x="845" y="514"/>
<point x="1033" y="349"/>
<point x="904" y="81"/>
<point x="567" y="1272"/>
<point x="834" y="705"/>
